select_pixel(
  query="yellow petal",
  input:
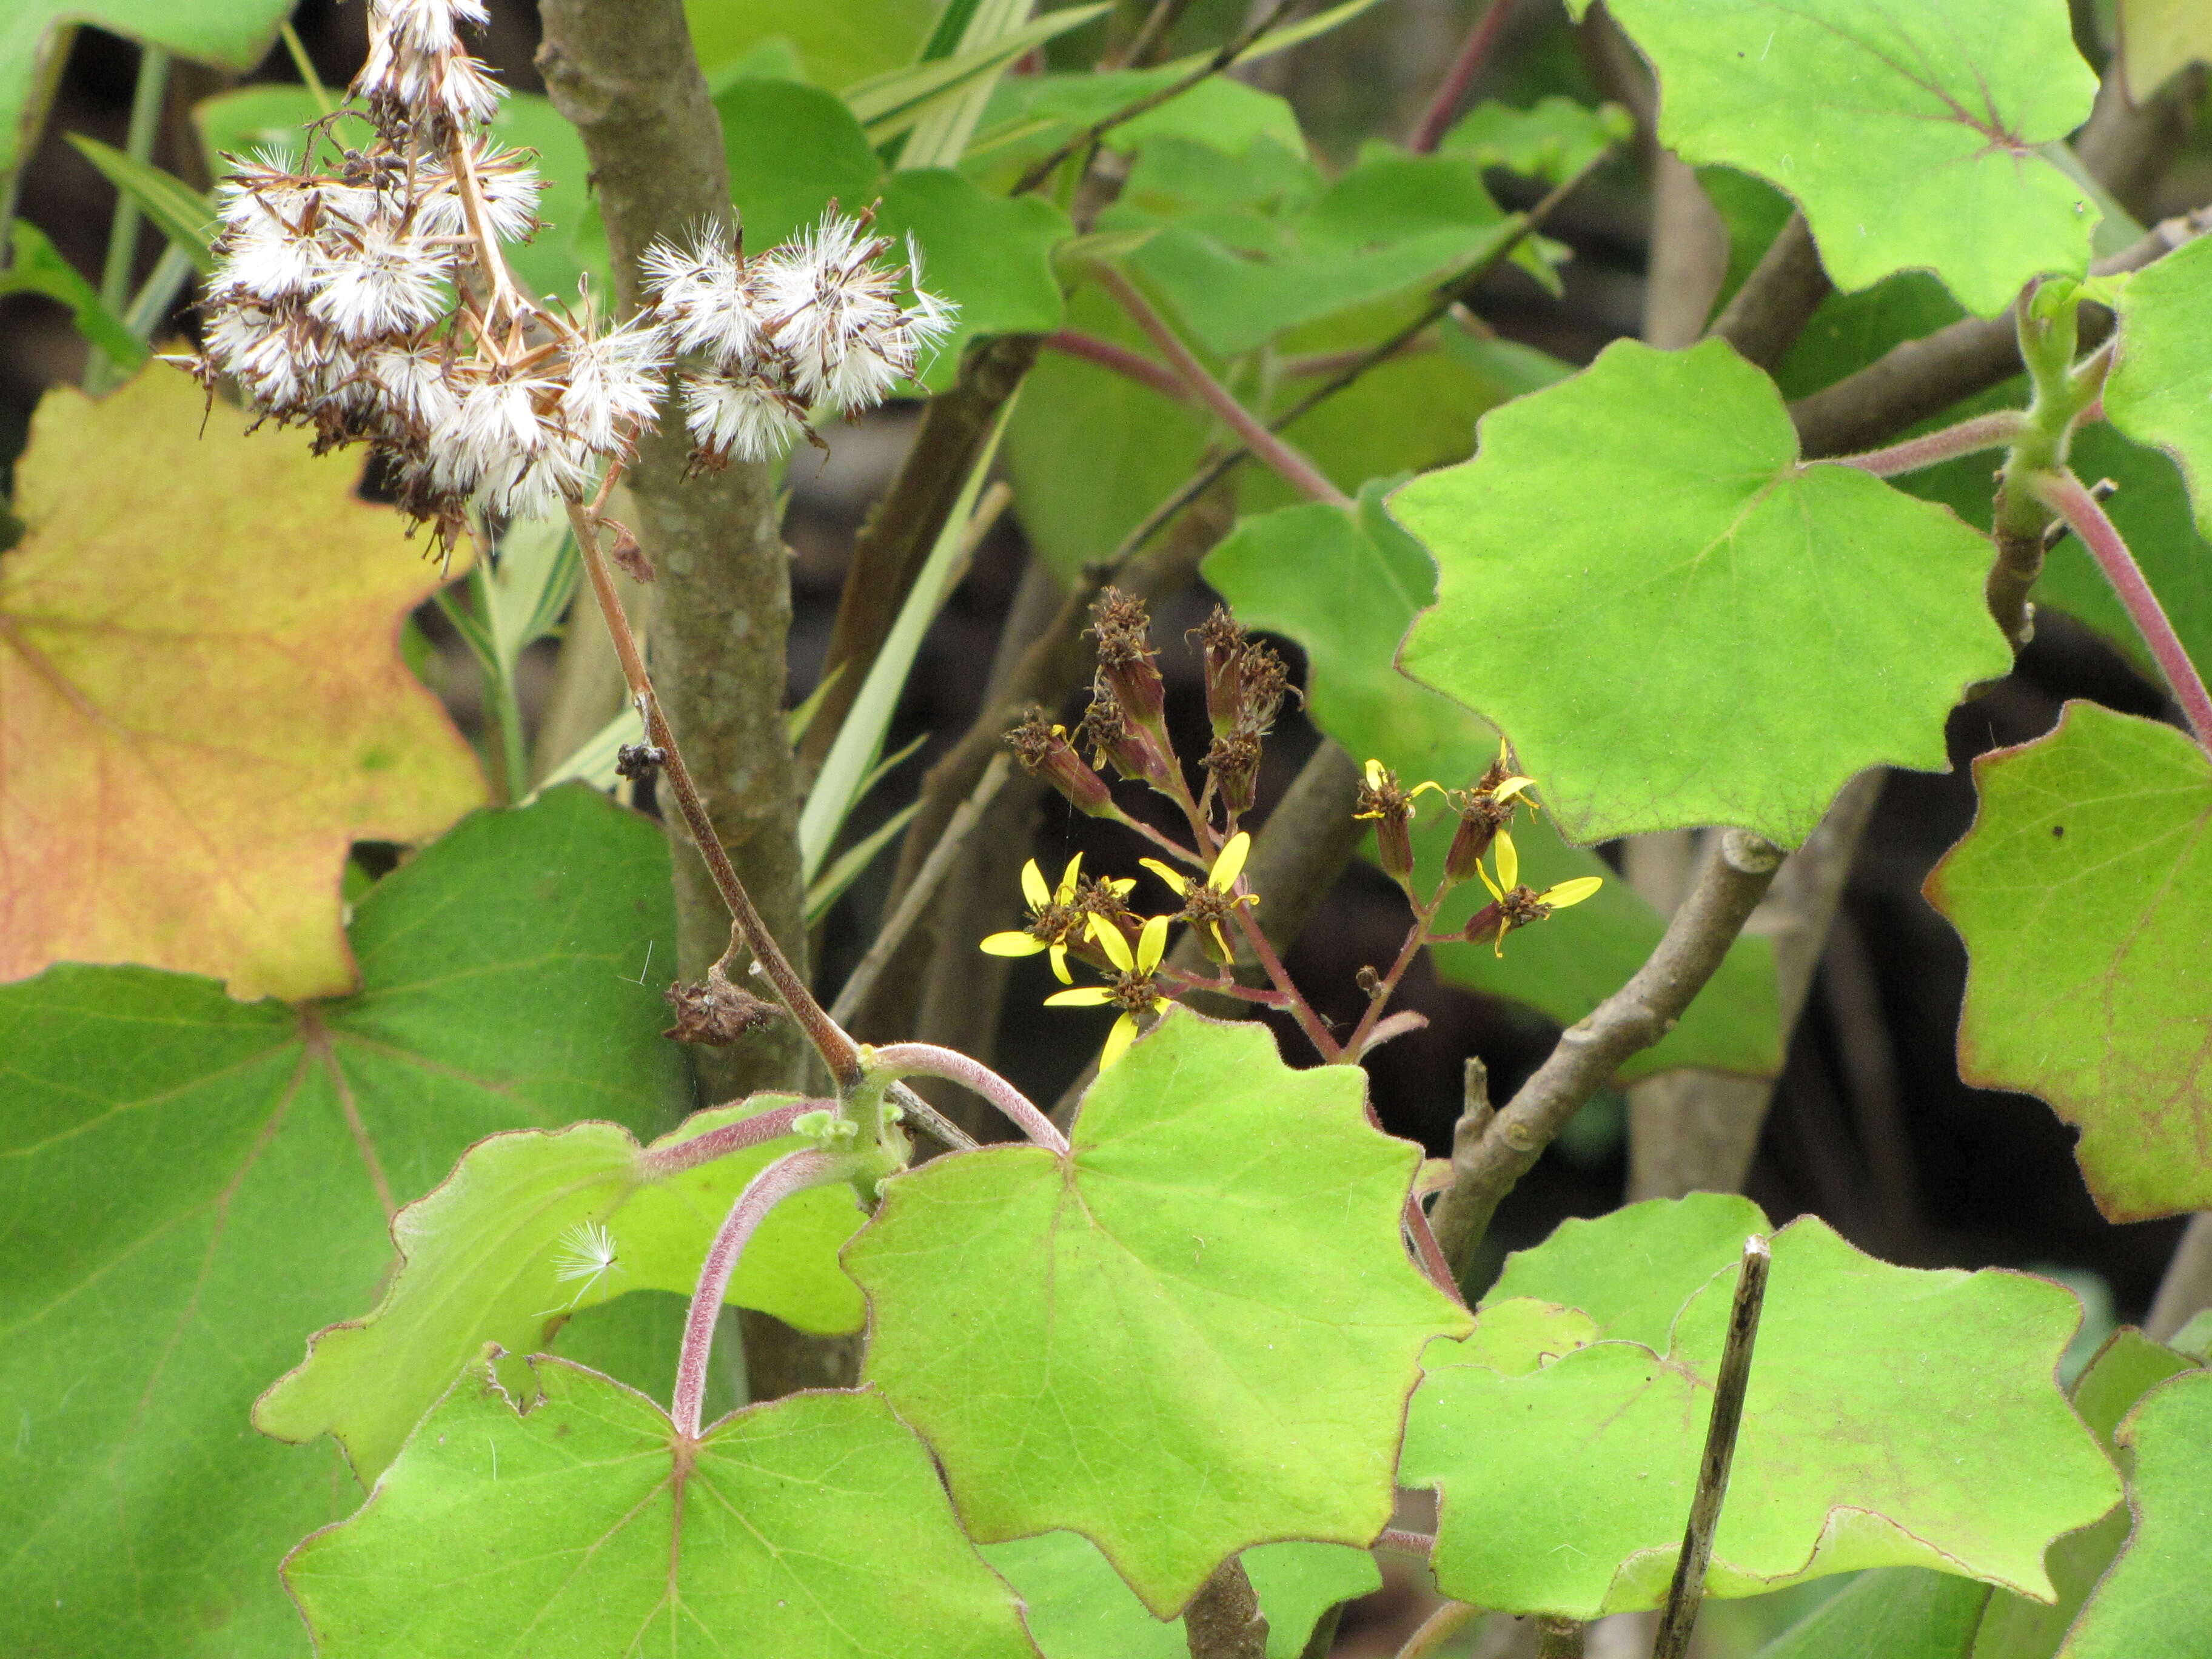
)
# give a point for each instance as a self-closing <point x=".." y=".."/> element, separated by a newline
<point x="1173" y="877"/>
<point x="1374" y="770"/>
<point x="1068" y="878"/>
<point x="1011" y="944"/>
<point x="1499" y="949"/>
<point x="1059" y="965"/>
<point x="1152" y="943"/>
<point x="1083" y="996"/>
<point x="1120" y="885"/>
<point x="1108" y="937"/>
<point x="1221" y="944"/>
<point x="1118" y="1040"/>
<point x="1229" y="863"/>
<point x="1496" y="891"/>
<point x="1574" y="891"/>
<point x="1511" y="787"/>
<point x="1508" y="861"/>
<point x="1425" y="784"/>
<point x="1033" y="887"/>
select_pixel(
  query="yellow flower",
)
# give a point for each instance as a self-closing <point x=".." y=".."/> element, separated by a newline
<point x="1133" y="990"/>
<point x="1056" y="918"/>
<point x="1207" y="904"/>
<point x="1518" y="906"/>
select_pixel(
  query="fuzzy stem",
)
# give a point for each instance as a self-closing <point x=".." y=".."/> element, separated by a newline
<point x="1301" y="1010"/>
<point x="1220" y="985"/>
<point x="1293" y="468"/>
<point x="1130" y="365"/>
<point x="1993" y="431"/>
<point x="1437" y="118"/>
<point x="1428" y="1252"/>
<point x="666" y="1161"/>
<point x="2063" y="493"/>
<point x="793" y="1173"/>
<point x="927" y="1060"/>
<point x="1688" y="1589"/>
<point x="1416" y="936"/>
<point x="1403" y="1541"/>
<point x="1438" y="1628"/>
<point x="829" y="1038"/>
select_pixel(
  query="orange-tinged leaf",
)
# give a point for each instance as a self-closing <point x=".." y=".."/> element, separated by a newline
<point x="202" y="701"/>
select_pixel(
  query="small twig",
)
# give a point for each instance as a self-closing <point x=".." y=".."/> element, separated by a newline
<point x="793" y="1173"/>
<point x="927" y="1060"/>
<point x="2062" y="492"/>
<point x="663" y="1161"/>
<point x="1435" y="120"/>
<point x="1688" y="1589"/>
<point x="829" y="1038"/>
<point x="1128" y="364"/>
<point x="1272" y="965"/>
<point x="920" y="890"/>
<point x="1635" y="1017"/>
<point x="1228" y="54"/>
<point x="1293" y="468"/>
<point x="2057" y="530"/>
<point x="1223" y="1620"/>
<point x="1992" y="431"/>
<point x="1416" y="936"/>
<point x="1453" y="1219"/>
<point x="1145" y="44"/>
<point x="1438" y="1628"/>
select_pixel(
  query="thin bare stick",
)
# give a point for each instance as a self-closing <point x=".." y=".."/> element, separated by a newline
<point x="1107" y="353"/>
<point x="927" y="1060"/>
<point x="1416" y="936"/>
<point x="793" y="1173"/>
<point x="837" y="1050"/>
<point x="1222" y="59"/>
<point x="920" y="890"/>
<point x="1293" y="468"/>
<point x="1993" y="431"/>
<point x="1437" y="118"/>
<point x="1438" y="1628"/>
<point x="663" y="1161"/>
<point x="1688" y="1589"/>
<point x="2063" y="493"/>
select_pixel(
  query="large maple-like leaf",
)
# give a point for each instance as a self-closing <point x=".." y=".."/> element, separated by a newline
<point x="190" y="1186"/>
<point x="2156" y="1602"/>
<point x="202" y="701"/>
<point x="1913" y="135"/>
<point x="2084" y="894"/>
<point x="1894" y="1417"/>
<point x="583" y="1527"/>
<point x="1193" y="1332"/>
<point x="1676" y="620"/>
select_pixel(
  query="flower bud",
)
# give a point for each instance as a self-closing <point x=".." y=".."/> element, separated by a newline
<point x="1480" y="817"/>
<point x="1126" y="660"/>
<point x="1132" y="751"/>
<point x="1392" y="809"/>
<point x="1044" y="752"/>
<point x="1221" y="640"/>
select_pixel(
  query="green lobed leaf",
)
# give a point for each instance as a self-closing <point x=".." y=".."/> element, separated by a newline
<point x="481" y="1257"/>
<point x="1675" y="620"/>
<point x="1897" y="1612"/>
<point x="793" y="149"/>
<point x="1894" y="1418"/>
<point x="2127" y="1367"/>
<point x="2159" y="391"/>
<point x="1221" y="1249"/>
<point x="1393" y="222"/>
<point x="1346" y="587"/>
<point x="1911" y="136"/>
<point x="1078" y="1607"/>
<point x="193" y="1184"/>
<point x="837" y="45"/>
<point x="2156" y="1601"/>
<point x="1553" y="139"/>
<point x="2083" y="892"/>
<point x="230" y="34"/>
<point x="577" y="1525"/>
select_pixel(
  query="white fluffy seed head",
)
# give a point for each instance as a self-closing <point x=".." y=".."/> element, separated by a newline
<point x="509" y="185"/>
<point x="381" y="281"/>
<point x="614" y="387"/>
<point x="732" y="416"/>
<point x="706" y="298"/>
